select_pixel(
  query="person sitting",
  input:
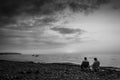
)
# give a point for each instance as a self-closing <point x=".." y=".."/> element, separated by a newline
<point x="85" y="65"/>
<point x="96" y="65"/>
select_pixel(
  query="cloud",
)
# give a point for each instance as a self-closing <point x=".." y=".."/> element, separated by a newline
<point x="12" y="8"/>
<point x="26" y="21"/>
<point x="115" y="4"/>
<point x="66" y="30"/>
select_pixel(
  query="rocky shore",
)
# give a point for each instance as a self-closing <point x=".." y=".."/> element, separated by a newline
<point x="13" y="70"/>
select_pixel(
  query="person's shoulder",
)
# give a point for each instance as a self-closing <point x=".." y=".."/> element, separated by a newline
<point x="99" y="62"/>
<point x="83" y="61"/>
<point x="86" y="61"/>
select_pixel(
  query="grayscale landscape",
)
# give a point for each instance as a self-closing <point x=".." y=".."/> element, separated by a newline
<point x="50" y="39"/>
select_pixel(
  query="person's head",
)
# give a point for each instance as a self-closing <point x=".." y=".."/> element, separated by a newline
<point x="95" y="59"/>
<point x="85" y="58"/>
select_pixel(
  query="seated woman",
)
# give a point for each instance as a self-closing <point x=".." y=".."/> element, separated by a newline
<point x="85" y="65"/>
<point x="96" y="65"/>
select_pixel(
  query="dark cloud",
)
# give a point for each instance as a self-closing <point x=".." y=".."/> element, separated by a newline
<point x="66" y="30"/>
<point x="115" y="4"/>
<point x="11" y="8"/>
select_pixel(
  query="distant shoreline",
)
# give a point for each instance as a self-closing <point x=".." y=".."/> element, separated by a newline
<point x="10" y="53"/>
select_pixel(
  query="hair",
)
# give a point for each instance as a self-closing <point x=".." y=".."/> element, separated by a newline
<point x="95" y="59"/>
<point x="85" y="58"/>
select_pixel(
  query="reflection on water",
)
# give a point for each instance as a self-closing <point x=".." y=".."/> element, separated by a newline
<point x="106" y="60"/>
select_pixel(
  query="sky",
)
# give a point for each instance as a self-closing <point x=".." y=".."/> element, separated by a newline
<point x="60" y="26"/>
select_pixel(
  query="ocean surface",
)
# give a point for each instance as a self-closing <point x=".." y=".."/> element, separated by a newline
<point x="105" y="60"/>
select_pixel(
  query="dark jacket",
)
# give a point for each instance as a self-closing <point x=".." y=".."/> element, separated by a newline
<point x="85" y="65"/>
<point x="96" y="65"/>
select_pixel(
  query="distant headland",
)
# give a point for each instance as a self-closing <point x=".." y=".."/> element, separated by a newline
<point x="10" y="53"/>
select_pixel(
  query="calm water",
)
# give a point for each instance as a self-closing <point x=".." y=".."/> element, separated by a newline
<point x="106" y="60"/>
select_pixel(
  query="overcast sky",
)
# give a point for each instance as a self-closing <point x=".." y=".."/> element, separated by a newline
<point x="60" y="26"/>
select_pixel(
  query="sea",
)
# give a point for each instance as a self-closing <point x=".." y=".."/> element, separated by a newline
<point x="105" y="59"/>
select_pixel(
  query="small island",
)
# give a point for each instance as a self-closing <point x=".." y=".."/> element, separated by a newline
<point x="10" y="53"/>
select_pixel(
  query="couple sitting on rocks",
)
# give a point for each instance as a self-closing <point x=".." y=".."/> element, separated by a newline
<point x="86" y="67"/>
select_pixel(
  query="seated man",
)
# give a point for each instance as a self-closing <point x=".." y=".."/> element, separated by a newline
<point x="96" y="65"/>
<point x="85" y="64"/>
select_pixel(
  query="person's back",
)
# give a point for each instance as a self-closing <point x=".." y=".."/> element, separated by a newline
<point x="85" y="64"/>
<point x="96" y="65"/>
